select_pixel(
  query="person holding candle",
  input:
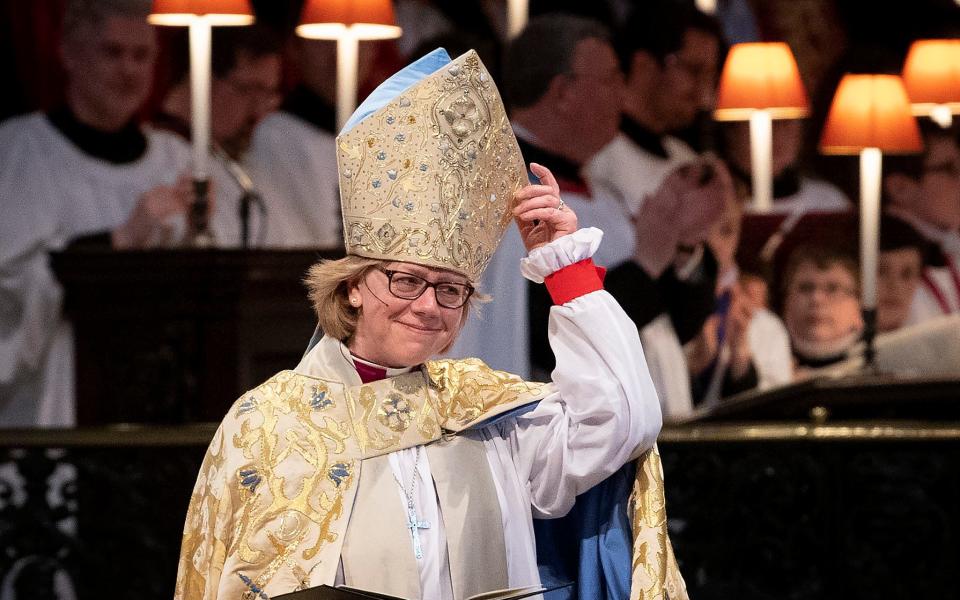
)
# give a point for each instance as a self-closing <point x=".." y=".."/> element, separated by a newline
<point x="84" y="172"/>
<point x="375" y="465"/>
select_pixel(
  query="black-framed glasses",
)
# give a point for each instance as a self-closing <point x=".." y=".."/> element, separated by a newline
<point x="408" y="286"/>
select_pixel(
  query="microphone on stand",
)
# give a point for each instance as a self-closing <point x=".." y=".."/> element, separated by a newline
<point x="249" y="196"/>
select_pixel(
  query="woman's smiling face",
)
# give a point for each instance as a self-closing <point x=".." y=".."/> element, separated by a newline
<point x="395" y="332"/>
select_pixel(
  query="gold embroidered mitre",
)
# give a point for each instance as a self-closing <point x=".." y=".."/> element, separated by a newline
<point x="429" y="177"/>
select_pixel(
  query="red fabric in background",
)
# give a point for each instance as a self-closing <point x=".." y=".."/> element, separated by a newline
<point x="31" y="54"/>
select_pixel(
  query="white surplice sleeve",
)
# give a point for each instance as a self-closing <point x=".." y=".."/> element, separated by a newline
<point x="603" y="408"/>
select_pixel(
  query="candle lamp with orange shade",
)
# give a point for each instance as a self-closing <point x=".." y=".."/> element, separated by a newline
<point x="200" y="16"/>
<point x="347" y="22"/>
<point x="760" y="82"/>
<point x="931" y="74"/>
<point x="870" y="115"/>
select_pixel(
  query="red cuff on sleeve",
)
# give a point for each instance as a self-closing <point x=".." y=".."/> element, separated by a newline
<point x="574" y="281"/>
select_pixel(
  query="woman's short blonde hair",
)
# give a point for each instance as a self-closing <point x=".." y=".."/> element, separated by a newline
<point x="328" y="285"/>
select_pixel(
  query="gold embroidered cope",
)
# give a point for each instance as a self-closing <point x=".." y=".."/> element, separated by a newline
<point x="271" y="518"/>
<point x="281" y="504"/>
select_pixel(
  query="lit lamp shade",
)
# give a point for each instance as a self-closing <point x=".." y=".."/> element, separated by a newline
<point x="760" y="75"/>
<point x="330" y="19"/>
<point x="870" y="111"/>
<point x="218" y="12"/>
<point x="931" y="75"/>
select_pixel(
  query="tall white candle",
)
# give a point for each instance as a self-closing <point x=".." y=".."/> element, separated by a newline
<point x="761" y="159"/>
<point x="200" y="32"/>
<point x="347" y="63"/>
<point x="518" y="11"/>
<point x="869" y="224"/>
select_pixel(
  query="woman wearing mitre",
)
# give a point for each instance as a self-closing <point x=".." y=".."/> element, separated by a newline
<point x="373" y="463"/>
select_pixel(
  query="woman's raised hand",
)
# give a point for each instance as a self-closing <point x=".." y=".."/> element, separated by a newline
<point x="540" y="213"/>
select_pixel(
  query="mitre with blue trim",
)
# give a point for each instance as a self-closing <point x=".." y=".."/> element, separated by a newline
<point x="429" y="166"/>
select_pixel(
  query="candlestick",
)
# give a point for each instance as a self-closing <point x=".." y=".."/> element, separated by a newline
<point x="761" y="159"/>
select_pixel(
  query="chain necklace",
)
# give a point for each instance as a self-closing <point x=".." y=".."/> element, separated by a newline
<point x="413" y="524"/>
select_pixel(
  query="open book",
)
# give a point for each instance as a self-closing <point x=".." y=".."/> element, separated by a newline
<point x="327" y="592"/>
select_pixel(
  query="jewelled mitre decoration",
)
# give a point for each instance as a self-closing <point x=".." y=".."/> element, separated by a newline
<point x="429" y="176"/>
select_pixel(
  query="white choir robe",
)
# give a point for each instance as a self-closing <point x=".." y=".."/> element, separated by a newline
<point x="602" y="412"/>
<point x="926" y="305"/>
<point x="632" y="173"/>
<point x="51" y="192"/>
<point x="294" y="166"/>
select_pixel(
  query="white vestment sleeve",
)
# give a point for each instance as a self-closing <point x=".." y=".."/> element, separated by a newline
<point x="603" y="409"/>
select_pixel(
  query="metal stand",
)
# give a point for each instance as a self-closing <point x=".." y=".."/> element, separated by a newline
<point x="200" y="234"/>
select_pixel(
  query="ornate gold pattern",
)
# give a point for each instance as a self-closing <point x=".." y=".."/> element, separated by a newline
<point x="472" y="391"/>
<point x="270" y="509"/>
<point x="430" y="177"/>
<point x="656" y="575"/>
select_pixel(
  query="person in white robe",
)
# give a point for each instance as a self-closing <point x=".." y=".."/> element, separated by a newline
<point x="923" y="191"/>
<point x="293" y="155"/>
<point x="81" y="170"/>
<point x="372" y="465"/>
<point x="794" y="192"/>
<point x="670" y="54"/>
<point x="244" y="88"/>
<point x="548" y="104"/>
<point x="743" y="345"/>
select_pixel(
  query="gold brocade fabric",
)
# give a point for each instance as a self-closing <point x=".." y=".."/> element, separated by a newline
<point x="656" y="575"/>
<point x="275" y="489"/>
<point x="274" y="494"/>
<point x="430" y="177"/>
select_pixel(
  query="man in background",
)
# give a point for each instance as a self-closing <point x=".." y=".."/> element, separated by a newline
<point x="924" y="190"/>
<point x="86" y="169"/>
<point x="670" y="53"/>
<point x="244" y="88"/>
<point x="293" y="157"/>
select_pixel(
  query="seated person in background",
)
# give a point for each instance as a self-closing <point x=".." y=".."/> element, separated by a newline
<point x="924" y="190"/>
<point x="293" y="157"/>
<point x="821" y="305"/>
<point x="742" y="345"/>
<point x="793" y="192"/>
<point x="84" y="170"/>
<point x="244" y="88"/>
<point x="900" y="268"/>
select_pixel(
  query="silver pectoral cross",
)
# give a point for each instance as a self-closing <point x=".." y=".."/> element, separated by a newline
<point x="415" y="526"/>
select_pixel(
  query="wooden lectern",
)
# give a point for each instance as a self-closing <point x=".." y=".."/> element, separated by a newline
<point x="177" y="336"/>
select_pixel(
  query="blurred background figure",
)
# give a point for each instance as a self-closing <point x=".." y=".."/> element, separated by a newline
<point x="576" y="74"/>
<point x="794" y="193"/>
<point x="900" y="268"/>
<point x="670" y="53"/>
<point x="743" y="345"/>
<point x="88" y="171"/>
<point x="245" y="88"/>
<point x="924" y="190"/>
<point x="821" y="305"/>
<point x="293" y="159"/>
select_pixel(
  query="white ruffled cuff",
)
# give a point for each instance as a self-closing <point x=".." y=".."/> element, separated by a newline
<point x="561" y="252"/>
